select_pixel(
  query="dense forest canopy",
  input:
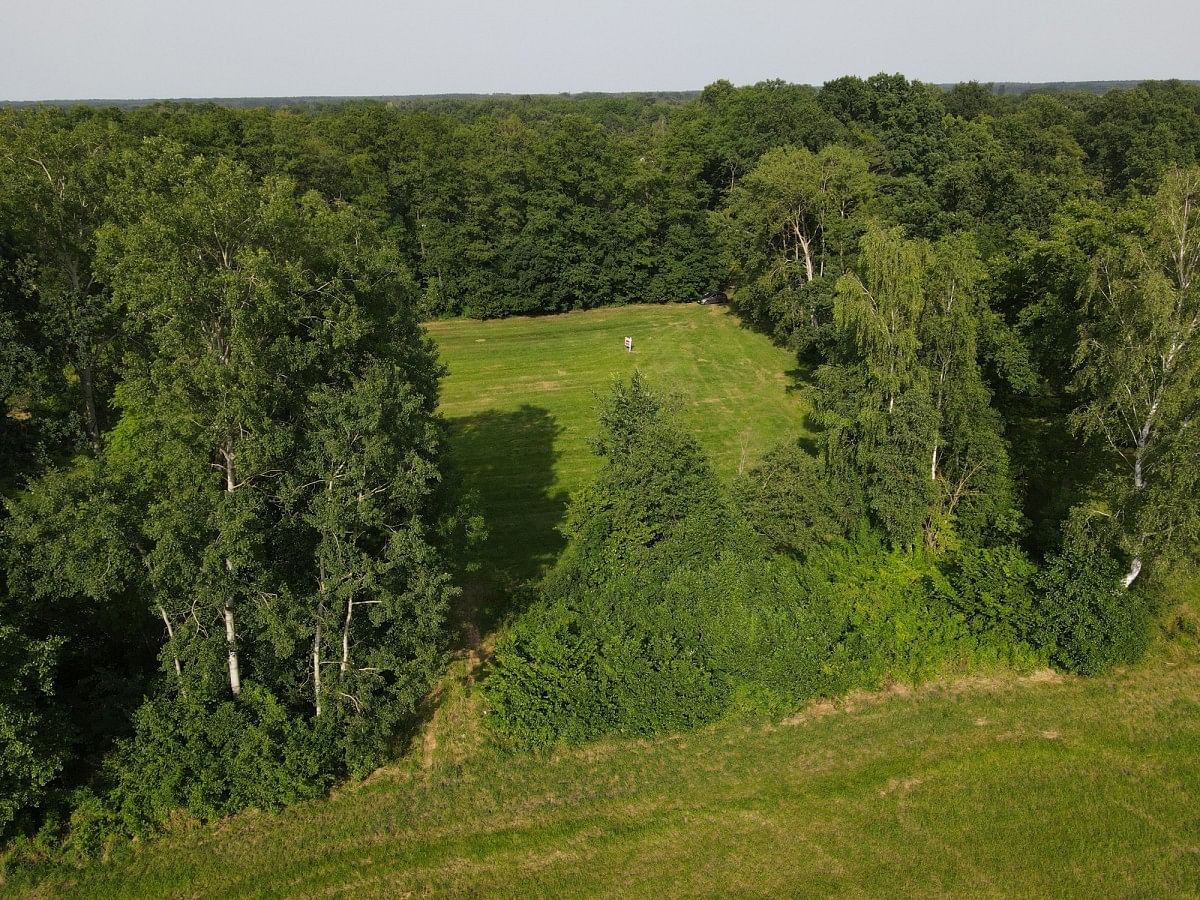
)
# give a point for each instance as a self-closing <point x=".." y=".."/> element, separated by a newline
<point x="230" y="532"/>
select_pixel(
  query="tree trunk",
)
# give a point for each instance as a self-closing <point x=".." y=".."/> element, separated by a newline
<point x="1135" y="569"/>
<point x="91" y="420"/>
<point x="316" y="664"/>
<point x="235" y="674"/>
<point x="346" y="634"/>
<point x="1139" y="485"/>
<point x="806" y="247"/>
<point x="171" y="637"/>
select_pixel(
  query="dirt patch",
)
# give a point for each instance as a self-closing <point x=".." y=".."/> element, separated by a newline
<point x="1044" y="676"/>
<point x="900" y="786"/>
<point x="817" y="710"/>
<point x="857" y="699"/>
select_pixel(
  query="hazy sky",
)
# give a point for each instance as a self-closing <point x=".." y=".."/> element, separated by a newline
<point x="71" y="49"/>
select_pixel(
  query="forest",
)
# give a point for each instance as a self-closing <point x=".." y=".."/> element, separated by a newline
<point x="234" y="545"/>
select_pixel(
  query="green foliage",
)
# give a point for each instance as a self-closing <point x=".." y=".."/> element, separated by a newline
<point x="993" y="589"/>
<point x="663" y="614"/>
<point x="657" y="616"/>
<point x="911" y="617"/>
<point x="1084" y="615"/>
<point x="787" y="228"/>
<point x="213" y="759"/>
<point x="794" y="504"/>
<point x="734" y="636"/>
<point x="34" y="746"/>
<point x="903" y="399"/>
<point x="1133" y="137"/>
<point x="217" y="310"/>
<point x="1138" y="369"/>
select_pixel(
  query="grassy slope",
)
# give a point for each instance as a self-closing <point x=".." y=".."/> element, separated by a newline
<point x="523" y="395"/>
<point x="1034" y="787"/>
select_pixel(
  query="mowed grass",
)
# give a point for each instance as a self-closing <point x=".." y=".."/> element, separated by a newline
<point x="523" y="395"/>
<point x="1030" y="787"/>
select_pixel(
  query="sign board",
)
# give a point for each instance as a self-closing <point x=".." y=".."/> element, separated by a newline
<point x="629" y="344"/>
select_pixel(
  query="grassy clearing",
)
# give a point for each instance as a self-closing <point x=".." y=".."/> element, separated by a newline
<point x="1039" y="786"/>
<point x="523" y="394"/>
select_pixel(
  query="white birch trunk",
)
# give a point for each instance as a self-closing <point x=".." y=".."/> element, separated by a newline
<point x="346" y="634"/>
<point x="171" y="637"/>
<point x="1135" y="569"/>
<point x="316" y="664"/>
<point x="235" y="673"/>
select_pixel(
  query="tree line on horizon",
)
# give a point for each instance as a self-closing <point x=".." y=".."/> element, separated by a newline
<point x="230" y="531"/>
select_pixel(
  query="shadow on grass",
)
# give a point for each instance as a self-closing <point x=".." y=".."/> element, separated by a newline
<point x="507" y="457"/>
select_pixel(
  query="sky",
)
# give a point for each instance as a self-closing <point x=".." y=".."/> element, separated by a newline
<point x="121" y="49"/>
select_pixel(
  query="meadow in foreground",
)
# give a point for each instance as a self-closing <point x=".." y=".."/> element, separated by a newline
<point x="1036" y="786"/>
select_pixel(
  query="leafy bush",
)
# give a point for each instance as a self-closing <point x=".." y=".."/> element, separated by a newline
<point x="895" y="628"/>
<point x="734" y="636"/>
<point x="794" y="504"/>
<point x="664" y="612"/>
<point x="661" y="613"/>
<point x="212" y="760"/>
<point x="1085" y="617"/>
<point x="992" y="589"/>
<point x="34" y="749"/>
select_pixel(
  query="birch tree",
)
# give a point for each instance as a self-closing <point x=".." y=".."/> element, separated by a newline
<point x="907" y="409"/>
<point x="881" y="309"/>
<point x="380" y="593"/>
<point x="279" y="419"/>
<point x="875" y="400"/>
<point x="968" y="462"/>
<point x="792" y="219"/>
<point x="1138" y="366"/>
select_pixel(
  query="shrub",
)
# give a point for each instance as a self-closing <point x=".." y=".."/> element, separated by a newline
<point x="662" y="613"/>
<point x="1085" y="618"/>
<point x="211" y="760"/>
<point x="734" y="636"/>
<point x="34" y="747"/>
<point x="992" y="589"/>
<point x="794" y="504"/>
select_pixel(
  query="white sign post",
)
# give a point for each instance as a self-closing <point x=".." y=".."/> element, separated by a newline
<point x="629" y="344"/>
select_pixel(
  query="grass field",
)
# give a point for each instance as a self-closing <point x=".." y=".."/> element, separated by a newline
<point x="1029" y="787"/>
<point x="523" y="396"/>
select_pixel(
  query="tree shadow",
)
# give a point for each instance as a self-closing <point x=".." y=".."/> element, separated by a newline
<point x="507" y="458"/>
<point x="813" y="442"/>
<point x="801" y="376"/>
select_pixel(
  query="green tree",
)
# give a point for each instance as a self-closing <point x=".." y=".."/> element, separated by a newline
<point x="1139" y="367"/>
<point x="794" y="211"/>
<point x="279" y="355"/>
<point x="909" y="393"/>
<point x="969" y="461"/>
<point x="881" y="310"/>
<point x="33" y="754"/>
<point x="58" y="170"/>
